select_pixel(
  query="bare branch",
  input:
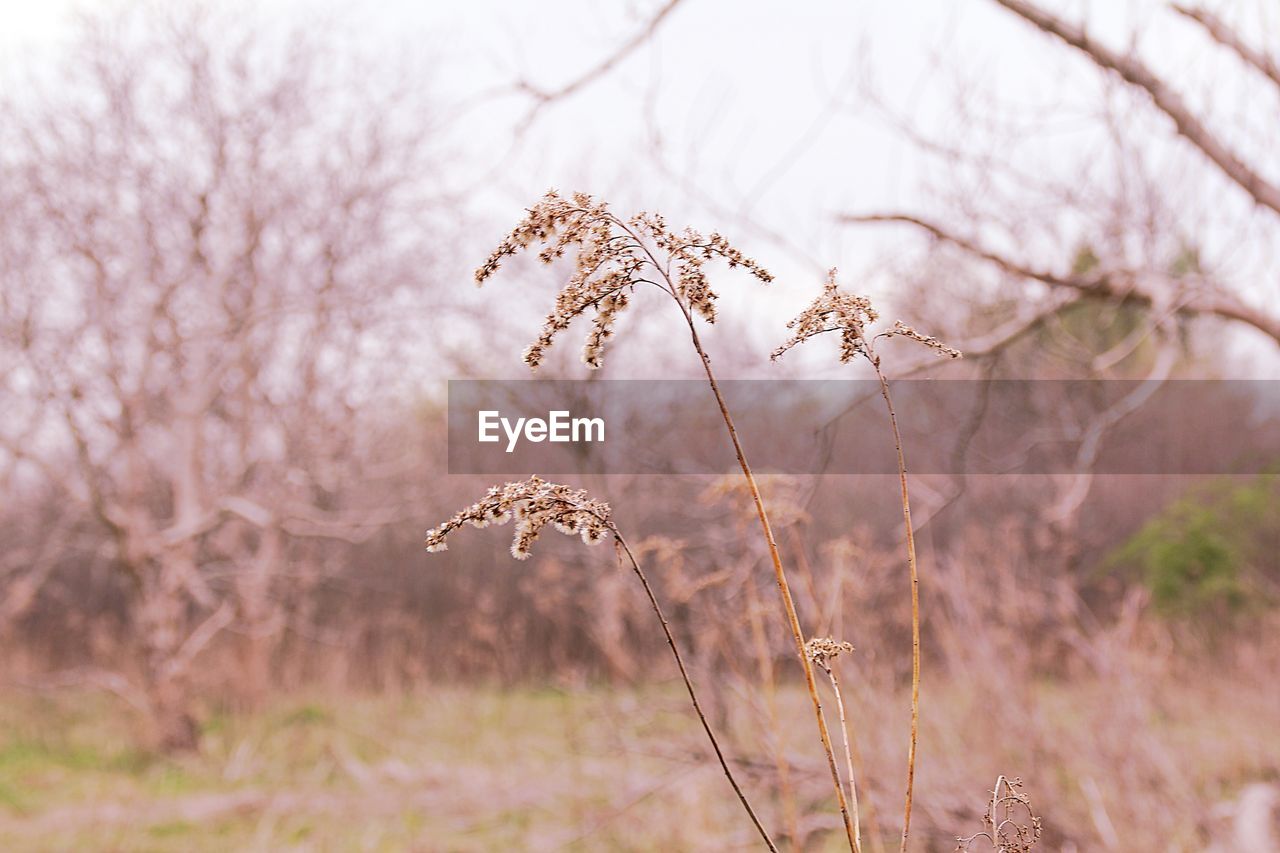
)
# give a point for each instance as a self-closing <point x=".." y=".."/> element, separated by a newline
<point x="544" y="97"/>
<point x="1136" y="73"/>
<point x="201" y="637"/>
<point x="1068" y="505"/>
<point x="1220" y="32"/>
<point x="1122" y="286"/>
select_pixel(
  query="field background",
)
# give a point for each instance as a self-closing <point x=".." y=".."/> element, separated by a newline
<point x="238" y="250"/>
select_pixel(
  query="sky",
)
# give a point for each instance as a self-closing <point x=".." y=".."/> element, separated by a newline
<point x="766" y="120"/>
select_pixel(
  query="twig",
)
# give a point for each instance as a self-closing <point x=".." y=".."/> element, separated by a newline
<point x="848" y="754"/>
<point x="688" y="683"/>
<point x="915" y="600"/>
<point x="780" y="576"/>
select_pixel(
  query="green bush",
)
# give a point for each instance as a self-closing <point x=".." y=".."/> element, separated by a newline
<point x="1212" y="552"/>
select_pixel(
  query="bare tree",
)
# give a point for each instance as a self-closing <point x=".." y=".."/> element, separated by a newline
<point x="1154" y="214"/>
<point x="206" y="244"/>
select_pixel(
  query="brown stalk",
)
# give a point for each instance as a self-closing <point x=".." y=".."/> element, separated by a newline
<point x="688" y="684"/>
<point x="848" y="754"/>
<point x="776" y="559"/>
<point x="780" y="576"/>
<point x="915" y="601"/>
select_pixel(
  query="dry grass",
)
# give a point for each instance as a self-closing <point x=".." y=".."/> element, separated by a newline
<point x="612" y="258"/>
<point x="482" y="769"/>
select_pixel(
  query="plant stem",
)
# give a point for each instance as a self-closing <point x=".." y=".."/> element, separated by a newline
<point x="784" y="589"/>
<point x="848" y="756"/>
<point x="915" y="600"/>
<point x="688" y="683"/>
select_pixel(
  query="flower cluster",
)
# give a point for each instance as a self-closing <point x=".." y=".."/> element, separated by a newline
<point x="823" y="650"/>
<point x="836" y="311"/>
<point x="534" y="504"/>
<point x="901" y="329"/>
<point x="833" y="311"/>
<point x="610" y="260"/>
<point x="688" y="253"/>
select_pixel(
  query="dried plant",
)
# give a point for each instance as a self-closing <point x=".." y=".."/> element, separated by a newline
<point x="1011" y="824"/>
<point x="535" y="503"/>
<point x="849" y="315"/>
<point x="823" y="651"/>
<point x="611" y="257"/>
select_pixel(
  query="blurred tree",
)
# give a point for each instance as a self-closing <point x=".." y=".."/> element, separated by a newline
<point x="1212" y="554"/>
<point x="1113" y="228"/>
<point x="211" y="230"/>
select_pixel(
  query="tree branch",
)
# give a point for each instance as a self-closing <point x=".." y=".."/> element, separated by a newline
<point x="1134" y="72"/>
<point x="1120" y="286"/>
<point x="1220" y="32"/>
<point x="544" y="97"/>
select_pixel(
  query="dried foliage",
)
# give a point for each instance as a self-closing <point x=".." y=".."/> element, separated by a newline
<point x="536" y="503"/>
<point x="836" y="311"/>
<point x="823" y="650"/>
<point x="833" y="311"/>
<point x="533" y="503"/>
<point x="1011" y="824"/>
<point x="611" y="257"/>
<point x="849" y="315"/>
<point x="901" y="329"/>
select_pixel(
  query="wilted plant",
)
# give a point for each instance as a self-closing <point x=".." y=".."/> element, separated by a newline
<point x="850" y="315"/>
<point x="823" y="651"/>
<point x="612" y="256"/>
<point x="1011" y="824"/>
<point x="534" y="504"/>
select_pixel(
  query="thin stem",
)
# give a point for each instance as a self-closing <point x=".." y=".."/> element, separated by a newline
<point x="915" y="600"/>
<point x="848" y="756"/>
<point x="688" y="683"/>
<point x="780" y="575"/>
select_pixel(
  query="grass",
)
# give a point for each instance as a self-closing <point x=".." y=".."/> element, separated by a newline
<point x="453" y="770"/>
<point x="483" y="769"/>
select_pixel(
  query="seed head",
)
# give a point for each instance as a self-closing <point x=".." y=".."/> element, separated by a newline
<point x="1011" y="825"/>
<point x="534" y="504"/>
<point x="901" y="329"/>
<point x="836" y="311"/>
<point x="833" y="311"/>
<point x="612" y="256"/>
<point x="823" y="650"/>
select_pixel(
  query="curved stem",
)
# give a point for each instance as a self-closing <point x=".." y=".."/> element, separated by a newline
<point x="688" y="683"/>
<point x="780" y="576"/>
<point x="915" y="601"/>
<point x="848" y="756"/>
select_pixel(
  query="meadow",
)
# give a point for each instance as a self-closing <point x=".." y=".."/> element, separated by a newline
<point x="581" y="768"/>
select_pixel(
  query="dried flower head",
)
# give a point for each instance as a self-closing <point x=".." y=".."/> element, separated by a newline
<point x="823" y="650"/>
<point x="612" y="256"/>
<point x="833" y="311"/>
<point x="534" y="504"/>
<point x="1011" y="824"/>
<point x="837" y="311"/>
<point x="901" y="329"/>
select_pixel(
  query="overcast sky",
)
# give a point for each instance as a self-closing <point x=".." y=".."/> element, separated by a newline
<point x="754" y="116"/>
